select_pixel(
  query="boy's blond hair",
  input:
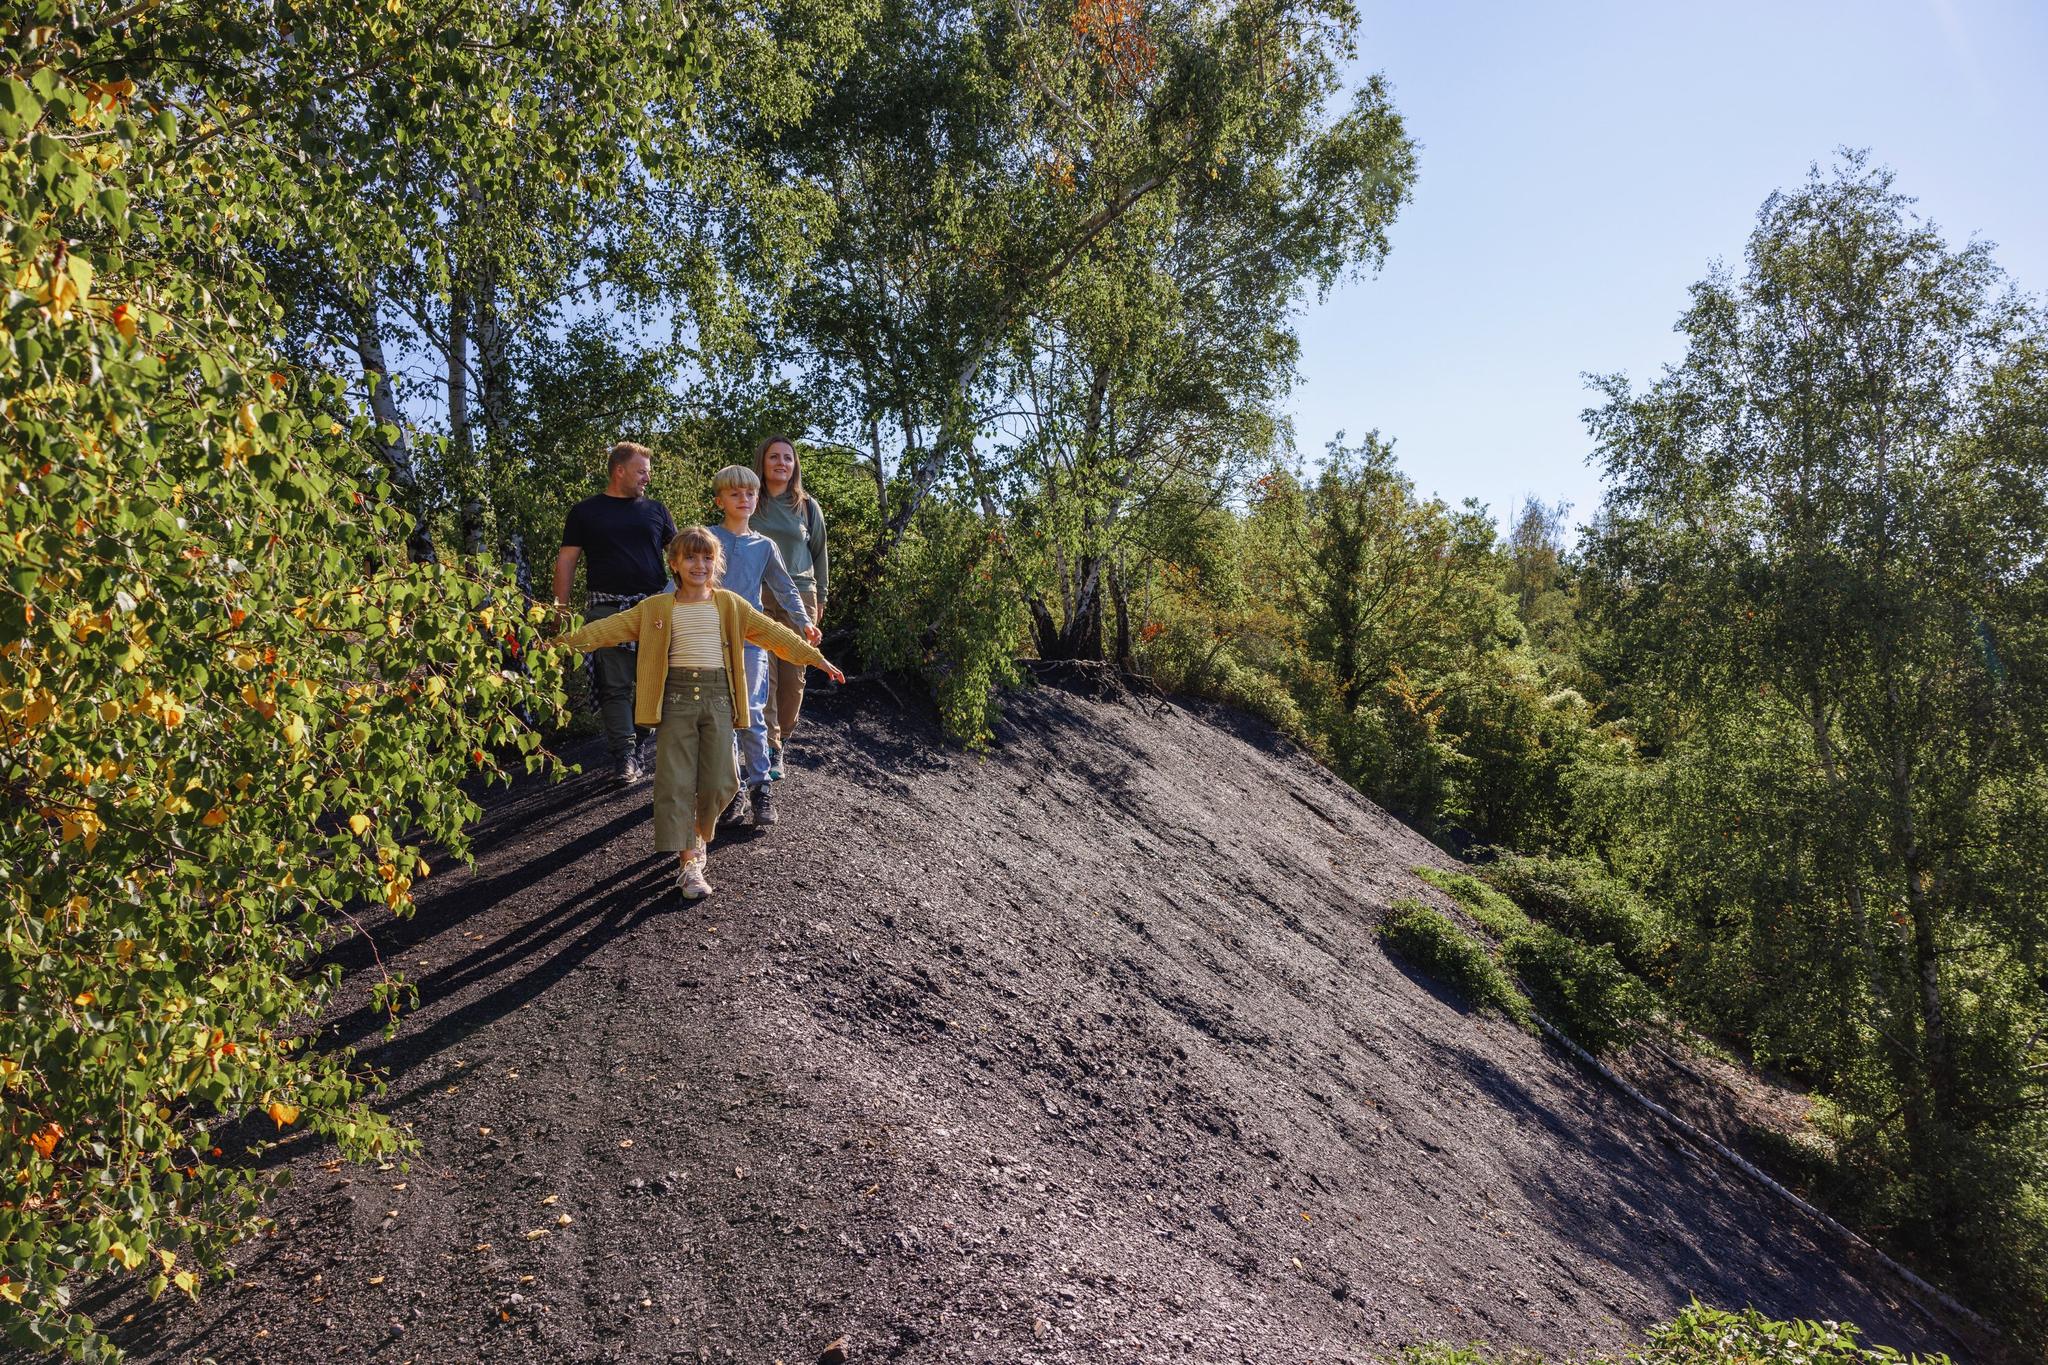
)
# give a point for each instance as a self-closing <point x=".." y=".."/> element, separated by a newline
<point x="734" y="476"/>
<point x="699" y="539"/>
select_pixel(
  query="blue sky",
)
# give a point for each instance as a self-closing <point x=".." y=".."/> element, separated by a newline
<point x="1582" y="164"/>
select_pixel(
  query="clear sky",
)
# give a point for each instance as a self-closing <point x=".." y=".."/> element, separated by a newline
<point x="1582" y="163"/>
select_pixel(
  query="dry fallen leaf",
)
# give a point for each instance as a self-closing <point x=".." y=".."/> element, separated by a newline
<point x="481" y="1246"/>
<point x="376" y="1280"/>
<point x="483" y="1132"/>
<point x="625" y="1142"/>
<point x="563" y="1220"/>
<point x="535" y="1234"/>
<point x="550" y="1199"/>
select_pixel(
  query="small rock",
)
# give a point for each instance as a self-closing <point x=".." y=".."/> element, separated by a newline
<point x="1039" y="1327"/>
<point x="834" y="1352"/>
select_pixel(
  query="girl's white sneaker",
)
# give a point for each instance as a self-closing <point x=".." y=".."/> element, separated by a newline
<point x="690" y="880"/>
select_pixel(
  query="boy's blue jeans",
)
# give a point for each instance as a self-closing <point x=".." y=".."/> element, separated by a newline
<point x="753" y="741"/>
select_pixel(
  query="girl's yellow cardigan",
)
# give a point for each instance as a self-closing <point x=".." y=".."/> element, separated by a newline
<point x="647" y="623"/>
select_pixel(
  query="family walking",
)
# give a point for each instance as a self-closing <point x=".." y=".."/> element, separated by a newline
<point x="693" y="663"/>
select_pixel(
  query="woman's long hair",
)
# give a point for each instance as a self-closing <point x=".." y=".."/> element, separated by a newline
<point x="794" y="494"/>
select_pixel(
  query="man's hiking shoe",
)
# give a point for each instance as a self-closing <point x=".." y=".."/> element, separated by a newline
<point x="775" y="765"/>
<point x="736" y="813"/>
<point x="764" y="806"/>
<point x="626" y="770"/>
<point x="690" y="880"/>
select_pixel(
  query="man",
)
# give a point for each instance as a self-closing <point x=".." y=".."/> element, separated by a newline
<point x="622" y="533"/>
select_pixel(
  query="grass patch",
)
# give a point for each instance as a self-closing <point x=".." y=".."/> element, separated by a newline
<point x="1581" y="987"/>
<point x="1493" y="912"/>
<point x="1706" y="1336"/>
<point x="1582" y="899"/>
<point x="1430" y="942"/>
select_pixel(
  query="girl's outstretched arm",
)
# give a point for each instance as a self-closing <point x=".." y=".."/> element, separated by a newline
<point x="612" y="630"/>
<point x="783" y="642"/>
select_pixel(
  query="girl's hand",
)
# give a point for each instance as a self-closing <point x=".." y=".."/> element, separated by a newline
<point x="813" y="634"/>
<point x="830" y="670"/>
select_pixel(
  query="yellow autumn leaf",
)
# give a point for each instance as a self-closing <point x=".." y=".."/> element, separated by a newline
<point x="216" y="816"/>
<point x="10" y="1291"/>
<point x="359" y="825"/>
<point x="128" y="1259"/>
<point x="295" y="730"/>
<point x="188" y="1282"/>
<point x="282" y="1114"/>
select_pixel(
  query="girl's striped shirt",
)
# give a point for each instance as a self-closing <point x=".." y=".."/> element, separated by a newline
<point x="693" y="638"/>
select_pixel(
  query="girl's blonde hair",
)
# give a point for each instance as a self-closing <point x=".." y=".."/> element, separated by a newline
<point x="699" y="539"/>
<point x="794" y="495"/>
<point x="734" y="476"/>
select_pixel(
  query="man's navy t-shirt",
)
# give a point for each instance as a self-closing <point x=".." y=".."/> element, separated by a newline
<point x="622" y="540"/>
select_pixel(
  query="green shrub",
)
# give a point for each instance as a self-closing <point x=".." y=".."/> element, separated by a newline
<point x="947" y="612"/>
<point x="1579" y="897"/>
<point x="1444" y="952"/>
<point x="1703" y="1335"/>
<point x="1582" y="987"/>
<point x="1495" y="913"/>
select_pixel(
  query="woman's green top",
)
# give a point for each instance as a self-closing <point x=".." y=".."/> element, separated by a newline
<point x="801" y="538"/>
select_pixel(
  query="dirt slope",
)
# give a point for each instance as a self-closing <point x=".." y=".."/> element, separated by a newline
<point x="1080" y="1051"/>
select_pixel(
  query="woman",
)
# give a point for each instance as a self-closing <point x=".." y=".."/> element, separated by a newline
<point x="791" y="518"/>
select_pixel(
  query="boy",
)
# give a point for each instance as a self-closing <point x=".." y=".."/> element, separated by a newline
<point x="752" y="562"/>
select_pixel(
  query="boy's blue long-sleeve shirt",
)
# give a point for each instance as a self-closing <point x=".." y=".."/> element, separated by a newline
<point x="751" y="563"/>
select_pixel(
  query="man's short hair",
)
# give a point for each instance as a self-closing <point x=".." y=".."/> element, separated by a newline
<point x="626" y="450"/>
<point x="734" y="476"/>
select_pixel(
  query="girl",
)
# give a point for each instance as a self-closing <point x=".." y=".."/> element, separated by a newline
<point x="689" y="684"/>
<point x="791" y="518"/>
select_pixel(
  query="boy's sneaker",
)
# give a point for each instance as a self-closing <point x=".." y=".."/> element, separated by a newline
<point x="764" y="805"/>
<point x="690" y="880"/>
<point x="775" y="765"/>
<point x="736" y="813"/>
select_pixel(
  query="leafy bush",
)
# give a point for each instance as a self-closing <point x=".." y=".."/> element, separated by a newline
<point x="229" y="707"/>
<point x="1443" y="951"/>
<point x="1703" y="1335"/>
<point x="1495" y="913"/>
<point x="1583" y="899"/>
<point x="1581" y="987"/>
<point x="946" y="612"/>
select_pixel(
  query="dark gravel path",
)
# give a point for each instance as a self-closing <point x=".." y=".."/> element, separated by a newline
<point x="1080" y="1051"/>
